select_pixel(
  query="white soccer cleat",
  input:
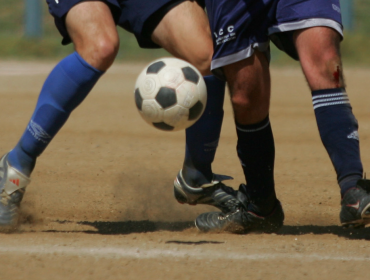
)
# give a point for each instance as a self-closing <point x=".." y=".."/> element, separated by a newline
<point x="12" y="187"/>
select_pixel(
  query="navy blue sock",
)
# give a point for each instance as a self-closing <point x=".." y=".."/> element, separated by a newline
<point x="256" y="151"/>
<point x="202" y="137"/>
<point x="339" y="133"/>
<point x="64" y="89"/>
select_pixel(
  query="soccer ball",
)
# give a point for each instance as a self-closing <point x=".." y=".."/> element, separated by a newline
<point x="170" y="94"/>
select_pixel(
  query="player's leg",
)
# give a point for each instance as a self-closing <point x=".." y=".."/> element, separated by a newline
<point x="338" y="127"/>
<point x="321" y="64"/>
<point x="184" y="32"/>
<point x="178" y="26"/>
<point x="241" y="54"/>
<point x="249" y="83"/>
<point x="91" y="27"/>
<point x="311" y="32"/>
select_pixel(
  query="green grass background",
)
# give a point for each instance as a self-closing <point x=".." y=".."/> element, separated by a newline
<point x="14" y="45"/>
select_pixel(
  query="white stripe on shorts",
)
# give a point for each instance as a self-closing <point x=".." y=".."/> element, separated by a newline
<point x="306" y="23"/>
<point x="243" y="54"/>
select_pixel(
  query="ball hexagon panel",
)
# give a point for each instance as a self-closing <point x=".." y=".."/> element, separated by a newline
<point x="166" y="97"/>
<point x="196" y="111"/>
<point x="163" y="126"/>
<point x="155" y="67"/>
<point x="187" y="94"/>
<point x="171" y="77"/>
<point x="138" y="99"/>
<point x="190" y="75"/>
<point x="176" y="116"/>
<point x="152" y="111"/>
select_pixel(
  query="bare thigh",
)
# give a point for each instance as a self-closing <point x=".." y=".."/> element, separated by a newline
<point x="185" y="33"/>
<point x="92" y="29"/>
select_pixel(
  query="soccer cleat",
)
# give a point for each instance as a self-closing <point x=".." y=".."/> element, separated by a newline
<point x="355" y="203"/>
<point x="240" y="219"/>
<point x="12" y="188"/>
<point x="215" y="193"/>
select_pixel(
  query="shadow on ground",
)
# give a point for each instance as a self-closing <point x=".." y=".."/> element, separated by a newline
<point x="127" y="227"/>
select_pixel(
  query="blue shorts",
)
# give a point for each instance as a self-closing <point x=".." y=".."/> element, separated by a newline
<point x="238" y="27"/>
<point x="136" y="16"/>
<point x="293" y="15"/>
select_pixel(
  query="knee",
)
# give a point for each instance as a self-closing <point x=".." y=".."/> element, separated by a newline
<point x="100" y="51"/>
<point x="249" y="109"/>
<point x="243" y="107"/>
<point x="202" y="61"/>
<point x="325" y="69"/>
<point x="328" y="57"/>
<point x="104" y="52"/>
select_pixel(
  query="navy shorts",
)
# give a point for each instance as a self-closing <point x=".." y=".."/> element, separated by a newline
<point x="136" y="16"/>
<point x="238" y="27"/>
<point x="293" y="15"/>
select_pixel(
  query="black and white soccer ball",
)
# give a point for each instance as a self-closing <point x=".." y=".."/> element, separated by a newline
<point x="170" y="94"/>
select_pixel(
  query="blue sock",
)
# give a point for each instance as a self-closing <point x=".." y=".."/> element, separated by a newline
<point x="64" y="89"/>
<point x="202" y="137"/>
<point x="256" y="151"/>
<point x="339" y="133"/>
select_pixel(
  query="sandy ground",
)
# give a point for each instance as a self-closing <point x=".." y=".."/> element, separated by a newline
<point x="100" y="205"/>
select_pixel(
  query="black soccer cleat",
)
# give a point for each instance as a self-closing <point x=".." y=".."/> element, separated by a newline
<point x="240" y="219"/>
<point x="355" y="211"/>
<point x="215" y="193"/>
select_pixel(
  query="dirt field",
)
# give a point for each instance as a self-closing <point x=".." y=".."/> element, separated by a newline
<point x="100" y="205"/>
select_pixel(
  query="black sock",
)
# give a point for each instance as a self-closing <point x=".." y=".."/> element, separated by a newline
<point x="256" y="151"/>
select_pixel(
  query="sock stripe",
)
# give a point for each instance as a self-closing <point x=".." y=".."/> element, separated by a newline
<point x="330" y="99"/>
<point x="323" y="100"/>
<point x="254" y="129"/>
<point x="330" y="104"/>
<point x="328" y="95"/>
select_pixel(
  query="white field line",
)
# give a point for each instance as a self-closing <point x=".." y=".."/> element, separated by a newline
<point x="140" y="253"/>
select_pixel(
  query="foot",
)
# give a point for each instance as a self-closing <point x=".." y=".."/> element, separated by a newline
<point x="215" y="193"/>
<point x="12" y="187"/>
<point x="240" y="219"/>
<point x="355" y="203"/>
